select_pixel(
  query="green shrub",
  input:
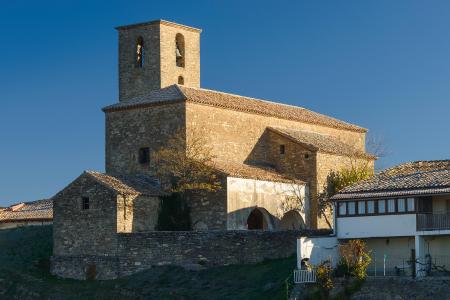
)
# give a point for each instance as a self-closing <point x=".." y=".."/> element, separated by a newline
<point x="173" y="214"/>
<point x="324" y="278"/>
<point x="354" y="259"/>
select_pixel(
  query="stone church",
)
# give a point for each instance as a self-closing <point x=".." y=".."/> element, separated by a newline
<point x="268" y="154"/>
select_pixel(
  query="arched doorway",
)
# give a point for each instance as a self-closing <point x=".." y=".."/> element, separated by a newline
<point x="255" y="220"/>
<point x="260" y="219"/>
<point x="292" y="220"/>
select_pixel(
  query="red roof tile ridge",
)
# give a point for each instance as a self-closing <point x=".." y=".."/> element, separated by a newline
<point x="241" y="96"/>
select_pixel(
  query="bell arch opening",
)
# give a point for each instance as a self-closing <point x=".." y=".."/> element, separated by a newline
<point x="140" y="52"/>
<point x="179" y="50"/>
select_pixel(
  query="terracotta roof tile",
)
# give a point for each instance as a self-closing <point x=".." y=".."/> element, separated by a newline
<point x="321" y="142"/>
<point x="242" y="170"/>
<point x="28" y="211"/>
<point x="138" y="184"/>
<point x="176" y="93"/>
<point x="414" y="178"/>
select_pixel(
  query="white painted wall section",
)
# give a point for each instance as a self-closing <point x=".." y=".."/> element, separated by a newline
<point x="243" y="195"/>
<point x="376" y="226"/>
<point x="318" y="249"/>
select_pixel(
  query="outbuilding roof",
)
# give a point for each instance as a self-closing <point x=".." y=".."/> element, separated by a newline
<point x="136" y="184"/>
<point x="408" y="179"/>
<point x="242" y="170"/>
<point x="40" y="210"/>
<point x="321" y="142"/>
<point x="179" y="93"/>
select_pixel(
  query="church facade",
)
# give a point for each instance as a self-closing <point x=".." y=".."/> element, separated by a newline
<point x="269" y="155"/>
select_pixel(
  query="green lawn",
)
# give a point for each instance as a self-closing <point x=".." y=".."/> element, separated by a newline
<point x="25" y="253"/>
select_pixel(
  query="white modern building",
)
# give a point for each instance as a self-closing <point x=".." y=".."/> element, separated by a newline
<point x="403" y="214"/>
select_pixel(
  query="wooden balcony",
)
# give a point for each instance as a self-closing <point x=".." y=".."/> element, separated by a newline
<point x="430" y="221"/>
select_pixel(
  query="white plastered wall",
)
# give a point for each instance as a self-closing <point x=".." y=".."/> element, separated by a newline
<point x="244" y="195"/>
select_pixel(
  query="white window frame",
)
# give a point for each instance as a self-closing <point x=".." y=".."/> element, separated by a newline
<point x="391" y="206"/>
<point x="351" y="205"/>
<point x="410" y="201"/>
<point x="342" y="207"/>
<point x="401" y="205"/>
<point x="373" y="207"/>
<point x="361" y="205"/>
<point x="384" y="206"/>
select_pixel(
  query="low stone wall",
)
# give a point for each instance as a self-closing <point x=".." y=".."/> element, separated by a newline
<point x="79" y="267"/>
<point x="189" y="249"/>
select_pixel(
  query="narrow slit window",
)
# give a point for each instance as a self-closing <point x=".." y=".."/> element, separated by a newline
<point x="144" y="155"/>
<point x="85" y="202"/>
<point x="180" y="80"/>
<point x="282" y="149"/>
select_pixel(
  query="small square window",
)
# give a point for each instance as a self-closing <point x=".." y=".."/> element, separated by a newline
<point x="85" y="202"/>
<point x="282" y="149"/>
<point x="144" y="155"/>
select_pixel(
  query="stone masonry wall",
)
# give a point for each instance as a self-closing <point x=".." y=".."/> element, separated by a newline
<point x="159" y="64"/>
<point x="298" y="162"/>
<point x="243" y="137"/>
<point x="84" y="232"/>
<point x="233" y="134"/>
<point x="327" y="163"/>
<point x="169" y="70"/>
<point x="208" y="210"/>
<point x="134" y="81"/>
<point x="129" y="130"/>
<point x="189" y="249"/>
<point x="137" y="213"/>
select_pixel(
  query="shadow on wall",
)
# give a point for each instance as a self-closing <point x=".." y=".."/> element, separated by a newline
<point x="258" y="218"/>
<point x="261" y="154"/>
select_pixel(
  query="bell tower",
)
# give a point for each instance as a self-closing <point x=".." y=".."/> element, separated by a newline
<point x="157" y="54"/>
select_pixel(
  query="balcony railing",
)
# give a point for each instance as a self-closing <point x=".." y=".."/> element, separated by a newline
<point x="430" y="221"/>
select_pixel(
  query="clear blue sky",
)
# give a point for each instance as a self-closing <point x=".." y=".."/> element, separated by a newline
<point x="384" y="65"/>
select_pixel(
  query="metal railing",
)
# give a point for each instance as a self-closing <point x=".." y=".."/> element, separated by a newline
<point x="304" y="276"/>
<point x="389" y="266"/>
<point x="430" y="221"/>
<point x="434" y="265"/>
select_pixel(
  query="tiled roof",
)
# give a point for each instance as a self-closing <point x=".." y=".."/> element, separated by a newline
<point x="242" y="170"/>
<point x="176" y="93"/>
<point x="138" y="184"/>
<point x="414" y="178"/>
<point x="320" y="142"/>
<point x="37" y="210"/>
